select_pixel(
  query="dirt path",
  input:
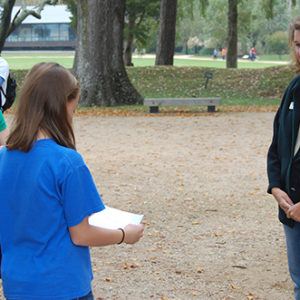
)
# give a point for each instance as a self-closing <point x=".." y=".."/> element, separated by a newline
<point x="211" y="231"/>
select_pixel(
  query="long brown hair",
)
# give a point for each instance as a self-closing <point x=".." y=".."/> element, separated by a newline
<point x="295" y="25"/>
<point x="42" y="106"/>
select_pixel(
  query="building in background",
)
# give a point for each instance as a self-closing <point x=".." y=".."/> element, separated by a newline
<point x="51" y="32"/>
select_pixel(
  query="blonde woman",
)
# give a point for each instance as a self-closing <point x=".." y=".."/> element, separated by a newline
<point x="284" y="162"/>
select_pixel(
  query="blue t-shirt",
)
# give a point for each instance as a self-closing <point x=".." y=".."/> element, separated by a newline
<point x="43" y="192"/>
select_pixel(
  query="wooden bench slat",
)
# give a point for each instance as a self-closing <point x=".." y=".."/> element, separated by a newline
<point x="154" y="103"/>
<point x="181" y="101"/>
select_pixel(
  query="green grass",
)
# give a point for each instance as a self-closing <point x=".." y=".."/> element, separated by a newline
<point x="235" y="86"/>
<point x="37" y="53"/>
<point x="254" y="84"/>
<point x="208" y="62"/>
<point x="275" y="57"/>
<point x="251" y="101"/>
<point x="26" y="60"/>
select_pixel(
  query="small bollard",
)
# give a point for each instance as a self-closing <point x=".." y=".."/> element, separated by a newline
<point x="207" y="75"/>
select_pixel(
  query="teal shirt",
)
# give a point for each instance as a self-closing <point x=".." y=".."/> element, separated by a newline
<point x="2" y="121"/>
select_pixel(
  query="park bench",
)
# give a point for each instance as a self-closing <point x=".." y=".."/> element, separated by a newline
<point x="211" y="103"/>
<point x="154" y="103"/>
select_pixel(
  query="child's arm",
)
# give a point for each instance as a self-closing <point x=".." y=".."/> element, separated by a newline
<point x="85" y="234"/>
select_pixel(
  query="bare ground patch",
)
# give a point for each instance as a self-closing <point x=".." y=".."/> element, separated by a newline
<point x="211" y="231"/>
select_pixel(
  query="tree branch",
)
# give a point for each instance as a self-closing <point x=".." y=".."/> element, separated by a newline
<point x="23" y="13"/>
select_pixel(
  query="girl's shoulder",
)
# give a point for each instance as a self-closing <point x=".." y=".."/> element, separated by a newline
<point x="60" y="154"/>
<point x="71" y="156"/>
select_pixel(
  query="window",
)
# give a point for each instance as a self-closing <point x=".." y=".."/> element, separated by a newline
<point x="42" y="33"/>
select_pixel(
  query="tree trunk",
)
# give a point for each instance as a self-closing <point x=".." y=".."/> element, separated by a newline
<point x="82" y="27"/>
<point x="5" y="21"/>
<point x="167" y="29"/>
<point x="99" y="62"/>
<point x="129" y="42"/>
<point x="231" y="57"/>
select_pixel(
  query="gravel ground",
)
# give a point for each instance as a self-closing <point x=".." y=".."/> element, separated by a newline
<point x="211" y="231"/>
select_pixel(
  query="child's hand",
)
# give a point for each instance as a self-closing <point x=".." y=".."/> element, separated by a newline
<point x="133" y="233"/>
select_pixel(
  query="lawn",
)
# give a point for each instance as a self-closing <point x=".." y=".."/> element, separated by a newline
<point x="203" y="62"/>
<point x="252" y="84"/>
<point x="235" y="86"/>
<point x="25" y="60"/>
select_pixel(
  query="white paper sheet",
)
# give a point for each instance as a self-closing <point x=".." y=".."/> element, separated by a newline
<point x="113" y="218"/>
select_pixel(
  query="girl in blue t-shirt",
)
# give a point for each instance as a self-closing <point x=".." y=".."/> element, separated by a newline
<point x="47" y="195"/>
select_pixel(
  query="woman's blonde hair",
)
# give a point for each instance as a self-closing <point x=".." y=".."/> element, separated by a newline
<point x="42" y="106"/>
<point x="295" y="25"/>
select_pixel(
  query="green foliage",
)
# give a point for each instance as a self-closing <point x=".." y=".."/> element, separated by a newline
<point x="204" y="5"/>
<point x="143" y="16"/>
<point x="206" y="51"/>
<point x="277" y="43"/>
<point x="267" y="6"/>
<point x="254" y="22"/>
<point x="188" y="8"/>
<point x="72" y="7"/>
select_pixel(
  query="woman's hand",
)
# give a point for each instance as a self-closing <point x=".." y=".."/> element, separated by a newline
<point x="133" y="233"/>
<point x="283" y="199"/>
<point x="294" y="212"/>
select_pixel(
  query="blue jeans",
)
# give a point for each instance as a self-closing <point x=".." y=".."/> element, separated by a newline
<point x="292" y="236"/>
<point x="89" y="296"/>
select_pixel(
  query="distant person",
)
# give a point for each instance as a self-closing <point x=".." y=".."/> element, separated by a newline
<point x="48" y="194"/>
<point x="283" y="162"/>
<point x="4" y="71"/>
<point x="252" y="54"/>
<point x="215" y="53"/>
<point x="223" y="53"/>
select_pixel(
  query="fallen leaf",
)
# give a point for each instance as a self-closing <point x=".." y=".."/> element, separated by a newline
<point x="235" y="287"/>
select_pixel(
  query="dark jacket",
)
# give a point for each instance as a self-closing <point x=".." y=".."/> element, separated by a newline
<point x="281" y="158"/>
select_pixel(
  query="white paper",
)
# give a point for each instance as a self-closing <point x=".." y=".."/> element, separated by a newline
<point x="113" y="218"/>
